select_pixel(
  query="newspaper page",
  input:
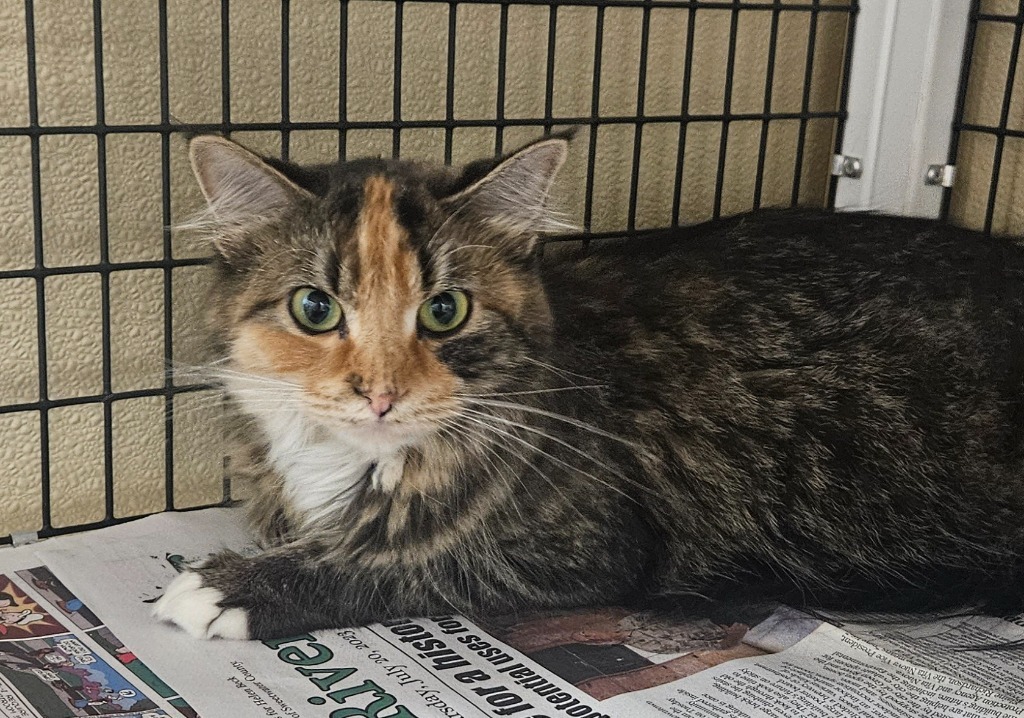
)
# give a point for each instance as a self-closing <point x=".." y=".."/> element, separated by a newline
<point x="76" y="639"/>
<point x="439" y="666"/>
<point x="955" y="646"/>
<point x="829" y="673"/>
<point x="58" y="658"/>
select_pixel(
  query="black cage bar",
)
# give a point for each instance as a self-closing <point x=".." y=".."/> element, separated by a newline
<point x="991" y="25"/>
<point x="779" y="11"/>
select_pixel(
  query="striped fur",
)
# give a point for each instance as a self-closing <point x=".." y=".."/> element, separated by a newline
<point x="824" y="404"/>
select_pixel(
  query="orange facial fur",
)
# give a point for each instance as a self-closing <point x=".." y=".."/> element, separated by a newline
<point x="380" y="352"/>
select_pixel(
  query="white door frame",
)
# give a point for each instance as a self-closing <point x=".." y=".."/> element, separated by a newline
<point x="904" y="79"/>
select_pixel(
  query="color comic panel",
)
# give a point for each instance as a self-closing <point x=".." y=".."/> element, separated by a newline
<point x="124" y="655"/>
<point x="61" y="677"/>
<point x="21" y="617"/>
<point x="50" y="587"/>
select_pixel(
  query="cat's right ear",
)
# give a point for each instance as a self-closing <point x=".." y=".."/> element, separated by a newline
<point x="513" y="194"/>
<point x="240" y="188"/>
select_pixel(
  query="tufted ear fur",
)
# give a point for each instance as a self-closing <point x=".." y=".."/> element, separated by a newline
<point x="513" y="195"/>
<point x="240" y="189"/>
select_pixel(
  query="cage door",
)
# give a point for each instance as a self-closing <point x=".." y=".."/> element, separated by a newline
<point x="904" y="78"/>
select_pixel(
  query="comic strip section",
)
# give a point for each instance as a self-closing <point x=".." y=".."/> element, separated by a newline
<point x="57" y="659"/>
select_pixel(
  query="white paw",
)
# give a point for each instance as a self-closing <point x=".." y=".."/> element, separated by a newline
<point x="196" y="609"/>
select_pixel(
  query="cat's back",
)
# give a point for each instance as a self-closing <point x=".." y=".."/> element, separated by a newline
<point x="784" y="273"/>
<point x="805" y="247"/>
<point x="810" y="379"/>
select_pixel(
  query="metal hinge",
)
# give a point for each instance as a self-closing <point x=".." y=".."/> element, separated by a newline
<point x="24" y="538"/>
<point x="846" y="166"/>
<point x="940" y="175"/>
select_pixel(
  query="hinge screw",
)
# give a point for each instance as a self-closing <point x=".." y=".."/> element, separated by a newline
<point x="940" y="175"/>
<point x="846" y="166"/>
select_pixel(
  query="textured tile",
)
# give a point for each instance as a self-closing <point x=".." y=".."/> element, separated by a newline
<point x="312" y="146"/>
<point x="476" y="60"/>
<point x="189" y="289"/>
<point x="711" y="55"/>
<point x="136" y="329"/>
<point x="198" y="450"/>
<point x="1009" y="215"/>
<point x="423" y="144"/>
<point x="740" y="167"/>
<point x="1000" y="7"/>
<point x="973" y="179"/>
<point x="620" y="61"/>
<point x="65" y="63"/>
<point x="666" y="59"/>
<point x="472" y="143"/>
<point x="76" y="476"/>
<point x="656" y="183"/>
<point x="829" y="47"/>
<point x="790" y="62"/>
<point x="753" y="31"/>
<point x="518" y="135"/>
<point x="993" y="45"/>
<point x="74" y="335"/>
<point x="70" y="199"/>
<point x="700" y="167"/>
<point x="611" y="189"/>
<point x="314" y="51"/>
<point x="138" y="449"/>
<point x="780" y="163"/>
<point x="370" y="73"/>
<point x="368" y="143"/>
<point x="193" y="60"/>
<point x="134" y="208"/>
<point x="20" y="471"/>
<point x="264" y="143"/>
<point x="19" y="357"/>
<point x="425" y="44"/>
<point x="255" y="61"/>
<point x="13" y="65"/>
<point x="526" y="61"/>
<point x="575" y="40"/>
<point x="131" y="62"/>
<point x="817" y="150"/>
<point x="18" y="249"/>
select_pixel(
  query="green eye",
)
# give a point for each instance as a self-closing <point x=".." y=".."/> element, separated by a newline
<point x="314" y="310"/>
<point x="445" y="312"/>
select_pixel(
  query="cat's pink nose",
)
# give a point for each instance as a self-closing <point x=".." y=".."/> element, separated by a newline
<point x="381" y="404"/>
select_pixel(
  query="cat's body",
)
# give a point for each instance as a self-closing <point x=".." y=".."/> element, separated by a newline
<point x="836" y="401"/>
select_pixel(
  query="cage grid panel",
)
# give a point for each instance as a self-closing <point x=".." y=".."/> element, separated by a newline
<point x="115" y="291"/>
<point x="988" y="132"/>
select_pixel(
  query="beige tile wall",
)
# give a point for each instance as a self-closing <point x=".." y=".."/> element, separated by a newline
<point x="991" y="62"/>
<point x="69" y="186"/>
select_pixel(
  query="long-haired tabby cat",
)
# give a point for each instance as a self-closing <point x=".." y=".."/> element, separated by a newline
<point x="438" y="418"/>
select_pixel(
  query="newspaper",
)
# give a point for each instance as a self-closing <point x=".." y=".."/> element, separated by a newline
<point x="76" y="639"/>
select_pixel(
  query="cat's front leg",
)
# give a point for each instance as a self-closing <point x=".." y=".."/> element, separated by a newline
<point x="268" y="595"/>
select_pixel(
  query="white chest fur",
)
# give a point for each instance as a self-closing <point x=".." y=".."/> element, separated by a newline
<point x="321" y="472"/>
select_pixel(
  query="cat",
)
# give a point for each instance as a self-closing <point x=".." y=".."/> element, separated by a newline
<point x="438" y="417"/>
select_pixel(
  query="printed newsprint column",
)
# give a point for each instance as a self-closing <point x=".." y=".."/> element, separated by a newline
<point x="831" y="673"/>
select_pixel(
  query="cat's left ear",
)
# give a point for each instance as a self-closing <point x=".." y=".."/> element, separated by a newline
<point x="513" y="195"/>
<point x="239" y="186"/>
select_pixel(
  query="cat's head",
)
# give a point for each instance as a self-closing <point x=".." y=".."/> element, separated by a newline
<point x="366" y="298"/>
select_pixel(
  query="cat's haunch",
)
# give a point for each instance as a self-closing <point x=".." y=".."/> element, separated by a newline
<point x="435" y="417"/>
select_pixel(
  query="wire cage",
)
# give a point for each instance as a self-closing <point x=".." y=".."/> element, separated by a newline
<point x="688" y="109"/>
<point x="988" y="128"/>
